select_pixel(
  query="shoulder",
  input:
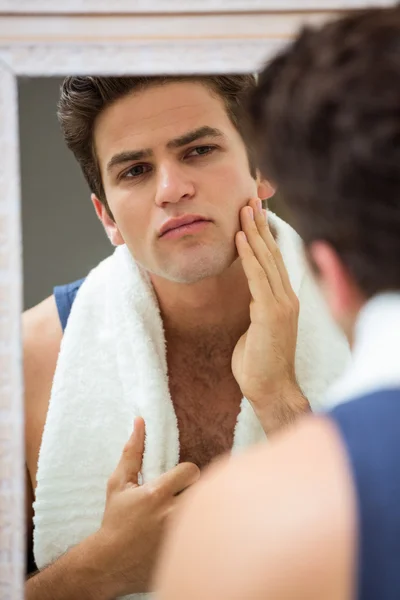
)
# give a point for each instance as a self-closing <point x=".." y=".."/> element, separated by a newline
<point x="41" y="339"/>
<point x="41" y="331"/>
<point x="275" y="522"/>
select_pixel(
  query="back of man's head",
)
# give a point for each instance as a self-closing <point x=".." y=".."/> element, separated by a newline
<point x="326" y="119"/>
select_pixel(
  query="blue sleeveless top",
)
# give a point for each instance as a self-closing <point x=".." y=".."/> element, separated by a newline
<point x="65" y="296"/>
<point x="370" y="429"/>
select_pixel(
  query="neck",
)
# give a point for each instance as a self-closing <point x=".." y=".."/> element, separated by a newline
<point x="215" y="303"/>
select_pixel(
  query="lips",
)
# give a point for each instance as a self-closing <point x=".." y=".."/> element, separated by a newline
<point x="177" y="222"/>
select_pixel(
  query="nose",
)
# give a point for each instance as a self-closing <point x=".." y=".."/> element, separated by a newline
<point x="173" y="184"/>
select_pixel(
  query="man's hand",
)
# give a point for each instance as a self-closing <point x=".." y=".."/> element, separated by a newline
<point x="120" y="557"/>
<point x="263" y="361"/>
<point x="135" y="516"/>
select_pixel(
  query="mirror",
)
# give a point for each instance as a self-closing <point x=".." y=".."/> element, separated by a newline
<point x="40" y="181"/>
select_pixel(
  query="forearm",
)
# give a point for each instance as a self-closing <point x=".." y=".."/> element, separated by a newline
<point x="281" y="409"/>
<point x="79" y="574"/>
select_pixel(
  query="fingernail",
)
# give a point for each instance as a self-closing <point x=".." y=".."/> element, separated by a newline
<point x="251" y="212"/>
<point x="259" y="206"/>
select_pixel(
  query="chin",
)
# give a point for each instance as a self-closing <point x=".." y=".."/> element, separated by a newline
<point x="199" y="270"/>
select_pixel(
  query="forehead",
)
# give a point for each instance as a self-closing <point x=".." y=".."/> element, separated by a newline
<point x="153" y="116"/>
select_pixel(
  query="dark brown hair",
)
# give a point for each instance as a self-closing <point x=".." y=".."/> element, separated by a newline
<point x="326" y="124"/>
<point x="84" y="98"/>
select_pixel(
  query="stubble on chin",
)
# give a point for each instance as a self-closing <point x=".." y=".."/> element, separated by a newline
<point x="191" y="269"/>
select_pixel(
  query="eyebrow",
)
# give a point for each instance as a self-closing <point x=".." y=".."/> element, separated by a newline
<point x="192" y="136"/>
<point x="128" y="156"/>
<point x="183" y="140"/>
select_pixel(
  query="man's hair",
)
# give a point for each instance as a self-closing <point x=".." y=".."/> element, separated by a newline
<point x="325" y="119"/>
<point x="83" y="99"/>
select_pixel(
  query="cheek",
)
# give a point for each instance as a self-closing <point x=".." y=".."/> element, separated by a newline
<point x="234" y="187"/>
<point x="131" y="218"/>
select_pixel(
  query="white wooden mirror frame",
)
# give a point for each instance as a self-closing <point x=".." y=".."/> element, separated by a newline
<point x="59" y="37"/>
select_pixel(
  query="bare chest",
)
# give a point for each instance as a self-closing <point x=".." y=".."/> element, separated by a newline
<point x="207" y="403"/>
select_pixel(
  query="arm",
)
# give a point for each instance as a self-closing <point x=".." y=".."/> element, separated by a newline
<point x="277" y="522"/>
<point x="280" y="409"/>
<point x="80" y="573"/>
<point x="41" y="337"/>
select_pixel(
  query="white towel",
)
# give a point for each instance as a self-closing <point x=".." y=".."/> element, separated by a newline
<point x="112" y="367"/>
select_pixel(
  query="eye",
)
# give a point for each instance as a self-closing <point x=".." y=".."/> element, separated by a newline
<point x="201" y="151"/>
<point x="136" y="171"/>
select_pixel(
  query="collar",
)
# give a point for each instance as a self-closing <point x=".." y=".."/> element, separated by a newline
<point x="375" y="363"/>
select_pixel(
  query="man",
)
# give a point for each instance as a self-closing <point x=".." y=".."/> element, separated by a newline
<point x="316" y="514"/>
<point x="152" y="330"/>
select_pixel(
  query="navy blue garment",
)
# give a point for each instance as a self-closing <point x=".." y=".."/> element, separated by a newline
<point x="370" y="428"/>
<point x="65" y="296"/>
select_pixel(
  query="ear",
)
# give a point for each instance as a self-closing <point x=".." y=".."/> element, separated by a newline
<point x="109" y="224"/>
<point x="264" y="188"/>
<point x="339" y="288"/>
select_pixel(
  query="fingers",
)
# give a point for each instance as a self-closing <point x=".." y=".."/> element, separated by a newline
<point x="178" y="479"/>
<point x="253" y="223"/>
<point x="266" y="249"/>
<point x="259" y="285"/>
<point x="128" y="468"/>
<point x="270" y="241"/>
<point x="266" y="234"/>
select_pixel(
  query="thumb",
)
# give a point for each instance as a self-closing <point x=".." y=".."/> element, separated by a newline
<point x="130" y="463"/>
